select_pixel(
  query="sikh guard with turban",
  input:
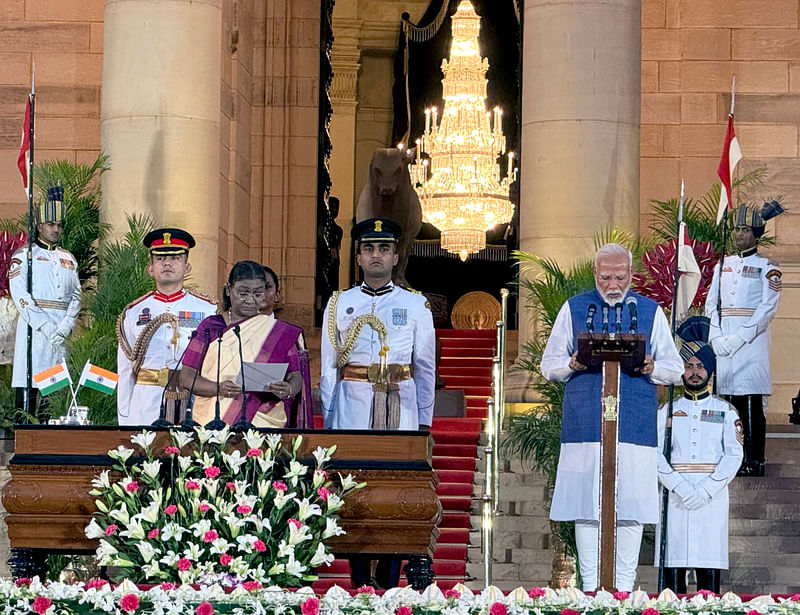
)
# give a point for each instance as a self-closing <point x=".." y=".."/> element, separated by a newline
<point x="749" y="288"/>
<point x="706" y="452"/>
<point x="52" y="306"/>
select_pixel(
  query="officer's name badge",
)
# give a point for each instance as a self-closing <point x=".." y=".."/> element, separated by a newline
<point x="712" y="416"/>
<point x="42" y="258"/>
<point x="751" y="272"/>
<point x="399" y="317"/>
<point x="190" y="319"/>
<point x="726" y="269"/>
<point x="144" y="317"/>
<point x="67" y="264"/>
<point x="679" y="413"/>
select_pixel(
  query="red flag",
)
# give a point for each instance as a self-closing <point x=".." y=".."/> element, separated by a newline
<point x="731" y="155"/>
<point x="25" y="147"/>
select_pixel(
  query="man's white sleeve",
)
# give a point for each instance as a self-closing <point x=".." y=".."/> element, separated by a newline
<point x="667" y="363"/>
<point x="329" y="373"/>
<point x="424" y="362"/>
<point x="560" y="346"/>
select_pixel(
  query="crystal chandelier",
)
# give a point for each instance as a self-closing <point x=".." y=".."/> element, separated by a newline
<point x="460" y="187"/>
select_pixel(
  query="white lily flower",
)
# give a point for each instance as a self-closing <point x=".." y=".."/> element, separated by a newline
<point x="150" y="513"/>
<point x="172" y="530"/>
<point x="93" y="530"/>
<point x="265" y="463"/>
<point x="184" y="463"/>
<point x="182" y="438"/>
<point x="120" y="514"/>
<point x="144" y="440"/>
<point x="220" y="546"/>
<point x="331" y="529"/>
<point x="134" y="530"/>
<point x="281" y="497"/>
<point x="201" y="527"/>
<point x="334" y="502"/>
<point x="235" y="524"/>
<point x="152" y="569"/>
<point x="273" y="441"/>
<point x="348" y="482"/>
<point x="298" y="535"/>
<point x="106" y="550"/>
<point x="157" y="496"/>
<point x="254" y="439"/>
<point x="211" y="485"/>
<point x="293" y="567"/>
<point x="203" y="434"/>
<point x="296" y="470"/>
<point x="193" y="552"/>
<point x="220" y="436"/>
<point x="306" y="509"/>
<point x="101" y="481"/>
<point x="323" y="455"/>
<point x="260" y="524"/>
<point x="320" y="557"/>
<point x="234" y="461"/>
<point x="121" y="453"/>
<point x="263" y="488"/>
<point x="284" y="549"/>
<point x="146" y="549"/>
<point x="245" y="542"/>
<point x="276" y="569"/>
<point x="170" y="559"/>
<point x="151" y="469"/>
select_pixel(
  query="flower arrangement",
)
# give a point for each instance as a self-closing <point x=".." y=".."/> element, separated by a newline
<point x="29" y="596"/>
<point x="206" y="512"/>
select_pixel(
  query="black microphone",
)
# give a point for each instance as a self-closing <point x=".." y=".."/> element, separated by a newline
<point x="242" y="424"/>
<point x="590" y="317"/>
<point x="188" y="422"/>
<point x="618" y="324"/>
<point x="605" y="319"/>
<point x="162" y="422"/>
<point x="632" y="302"/>
<point x="217" y="423"/>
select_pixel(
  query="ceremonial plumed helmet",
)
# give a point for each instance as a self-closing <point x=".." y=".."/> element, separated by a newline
<point x="165" y="241"/>
<point x="747" y="215"/>
<point x="694" y="337"/>
<point x="52" y="210"/>
<point x="376" y="229"/>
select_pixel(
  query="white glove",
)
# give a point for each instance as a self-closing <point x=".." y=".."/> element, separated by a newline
<point x="683" y="491"/>
<point x="721" y="346"/>
<point x="699" y="498"/>
<point x="63" y="329"/>
<point x="734" y="342"/>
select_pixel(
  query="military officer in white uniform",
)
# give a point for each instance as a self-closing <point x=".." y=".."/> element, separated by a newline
<point x="706" y="452"/>
<point x="750" y="294"/>
<point x="53" y="306"/>
<point x="154" y="330"/>
<point x="378" y="358"/>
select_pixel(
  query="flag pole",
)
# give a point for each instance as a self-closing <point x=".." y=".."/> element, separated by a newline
<point x="667" y="447"/>
<point x="724" y="224"/>
<point x="29" y="338"/>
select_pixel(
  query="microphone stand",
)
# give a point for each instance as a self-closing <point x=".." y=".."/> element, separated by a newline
<point x="217" y="423"/>
<point x="242" y="424"/>
<point x="188" y="422"/>
<point x="161" y="422"/>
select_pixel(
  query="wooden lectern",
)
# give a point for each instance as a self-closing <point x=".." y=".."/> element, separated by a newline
<point x="609" y="353"/>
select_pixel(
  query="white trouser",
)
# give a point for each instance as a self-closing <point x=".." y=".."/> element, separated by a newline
<point x="629" y="539"/>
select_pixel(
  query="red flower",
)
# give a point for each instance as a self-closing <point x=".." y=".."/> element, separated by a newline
<point x="111" y="529"/>
<point x="536" y="592"/>
<point x="172" y="450"/>
<point x="279" y="486"/>
<point x="129" y="603"/>
<point x="212" y="471"/>
<point x="166" y="586"/>
<point x="253" y="452"/>
<point x="651" y="611"/>
<point x="204" y="507"/>
<point x="23" y="582"/>
<point x="225" y="559"/>
<point x="132" y="486"/>
<point x="259" y="546"/>
<point x="295" y="523"/>
<point x="706" y="593"/>
<point x="251" y="585"/>
<point x="322" y="473"/>
<point x="192" y="484"/>
<point x="498" y="608"/>
<point x="403" y="610"/>
<point x="184" y="564"/>
<point x="244" y="509"/>
<point x="365" y="589"/>
<point x="230" y="486"/>
<point x="96" y="583"/>
<point x="451" y="593"/>
<point x="753" y="612"/>
<point x="795" y="597"/>
<point x="41" y="604"/>
<point x="310" y="607"/>
<point x="621" y="595"/>
<point x="323" y="493"/>
<point x="210" y="536"/>
<point x="569" y="612"/>
<point x="171" y="509"/>
<point x="204" y="608"/>
<point x="153" y="533"/>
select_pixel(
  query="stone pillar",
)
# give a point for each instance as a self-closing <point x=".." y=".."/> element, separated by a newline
<point x="580" y="125"/>
<point x="160" y="120"/>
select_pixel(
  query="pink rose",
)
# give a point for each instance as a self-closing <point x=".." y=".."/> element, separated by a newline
<point x="41" y="604"/>
<point x="129" y="603"/>
<point x="651" y="611"/>
<point x="23" y="582"/>
<point x="166" y="586"/>
<point x="210" y="536"/>
<point x="204" y="508"/>
<point x="230" y="486"/>
<point x="310" y="607"/>
<point x="404" y="610"/>
<point x="172" y="450"/>
<point x="253" y="452"/>
<point x="153" y="533"/>
<point x="132" y="486"/>
<point x="365" y="589"/>
<point x="192" y="485"/>
<point x="753" y="612"/>
<point x="279" y="486"/>
<point x="212" y="472"/>
<point x="621" y="595"/>
<point x="259" y="546"/>
<point x="323" y="493"/>
<point x="536" y="592"/>
<point x="96" y="583"/>
<point x="251" y="585"/>
<point x="204" y="608"/>
<point x="244" y="509"/>
<point x="498" y="608"/>
<point x="111" y="529"/>
<point x="569" y="612"/>
<point x="184" y="564"/>
<point x="295" y="523"/>
<point x="451" y="593"/>
<point x="706" y="593"/>
<point x="225" y="559"/>
<point x="171" y="509"/>
<point x="795" y="597"/>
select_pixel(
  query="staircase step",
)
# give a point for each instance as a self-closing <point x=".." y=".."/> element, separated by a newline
<point x="469" y="382"/>
<point x="473" y="391"/>
<point x="456" y="375"/>
<point x="450" y="552"/>
<point x="455" y="476"/>
<point x="763" y="527"/>
<point x="454" y="463"/>
<point x="475" y="413"/>
<point x="466" y="348"/>
<point x="453" y="536"/>
<point x="456" y="503"/>
<point x="487" y="334"/>
<point x="461" y="425"/>
<point x="452" y="489"/>
<point x="748" y="545"/>
<point x="456" y="520"/>
<point x="455" y="450"/>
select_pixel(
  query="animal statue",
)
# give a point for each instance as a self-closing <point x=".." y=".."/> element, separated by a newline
<point x="389" y="194"/>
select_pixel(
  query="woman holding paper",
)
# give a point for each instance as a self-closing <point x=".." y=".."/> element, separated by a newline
<point x="248" y="331"/>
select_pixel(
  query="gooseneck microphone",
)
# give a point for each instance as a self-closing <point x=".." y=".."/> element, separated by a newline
<point x="590" y="317"/>
<point x="605" y="319"/>
<point x="161" y="422"/>
<point x="632" y="302"/>
<point x="189" y="422"/>
<point x="217" y="423"/>
<point x="242" y="424"/>
<point x="618" y="323"/>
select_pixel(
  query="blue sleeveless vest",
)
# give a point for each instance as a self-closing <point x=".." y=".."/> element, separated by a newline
<point x="638" y="404"/>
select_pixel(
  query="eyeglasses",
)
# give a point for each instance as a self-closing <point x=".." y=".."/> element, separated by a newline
<point x="245" y="294"/>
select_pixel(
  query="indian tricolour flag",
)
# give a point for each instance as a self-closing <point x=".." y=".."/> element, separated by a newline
<point x="53" y="379"/>
<point x="98" y="379"/>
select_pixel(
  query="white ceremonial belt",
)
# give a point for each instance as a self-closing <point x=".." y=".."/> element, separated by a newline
<point x="52" y="305"/>
<point x="695" y="468"/>
<point x="738" y="311"/>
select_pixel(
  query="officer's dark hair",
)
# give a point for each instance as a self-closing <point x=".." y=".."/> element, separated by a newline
<point x="243" y="270"/>
<point x="273" y="275"/>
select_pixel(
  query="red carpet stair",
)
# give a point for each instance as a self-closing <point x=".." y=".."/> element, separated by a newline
<point x="466" y="364"/>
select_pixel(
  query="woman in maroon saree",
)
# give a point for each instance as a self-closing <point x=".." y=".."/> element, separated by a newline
<point x="248" y="299"/>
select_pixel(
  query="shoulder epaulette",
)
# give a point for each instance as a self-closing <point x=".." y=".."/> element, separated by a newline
<point x="203" y="296"/>
<point x="137" y="301"/>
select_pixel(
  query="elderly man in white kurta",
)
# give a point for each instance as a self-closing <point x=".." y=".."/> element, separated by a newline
<point x="750" y="291"/>
<point x="577" y="493"/>
<point x="705" y="454"/>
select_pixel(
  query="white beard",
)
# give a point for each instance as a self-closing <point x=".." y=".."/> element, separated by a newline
<point x="613" y="302"/>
